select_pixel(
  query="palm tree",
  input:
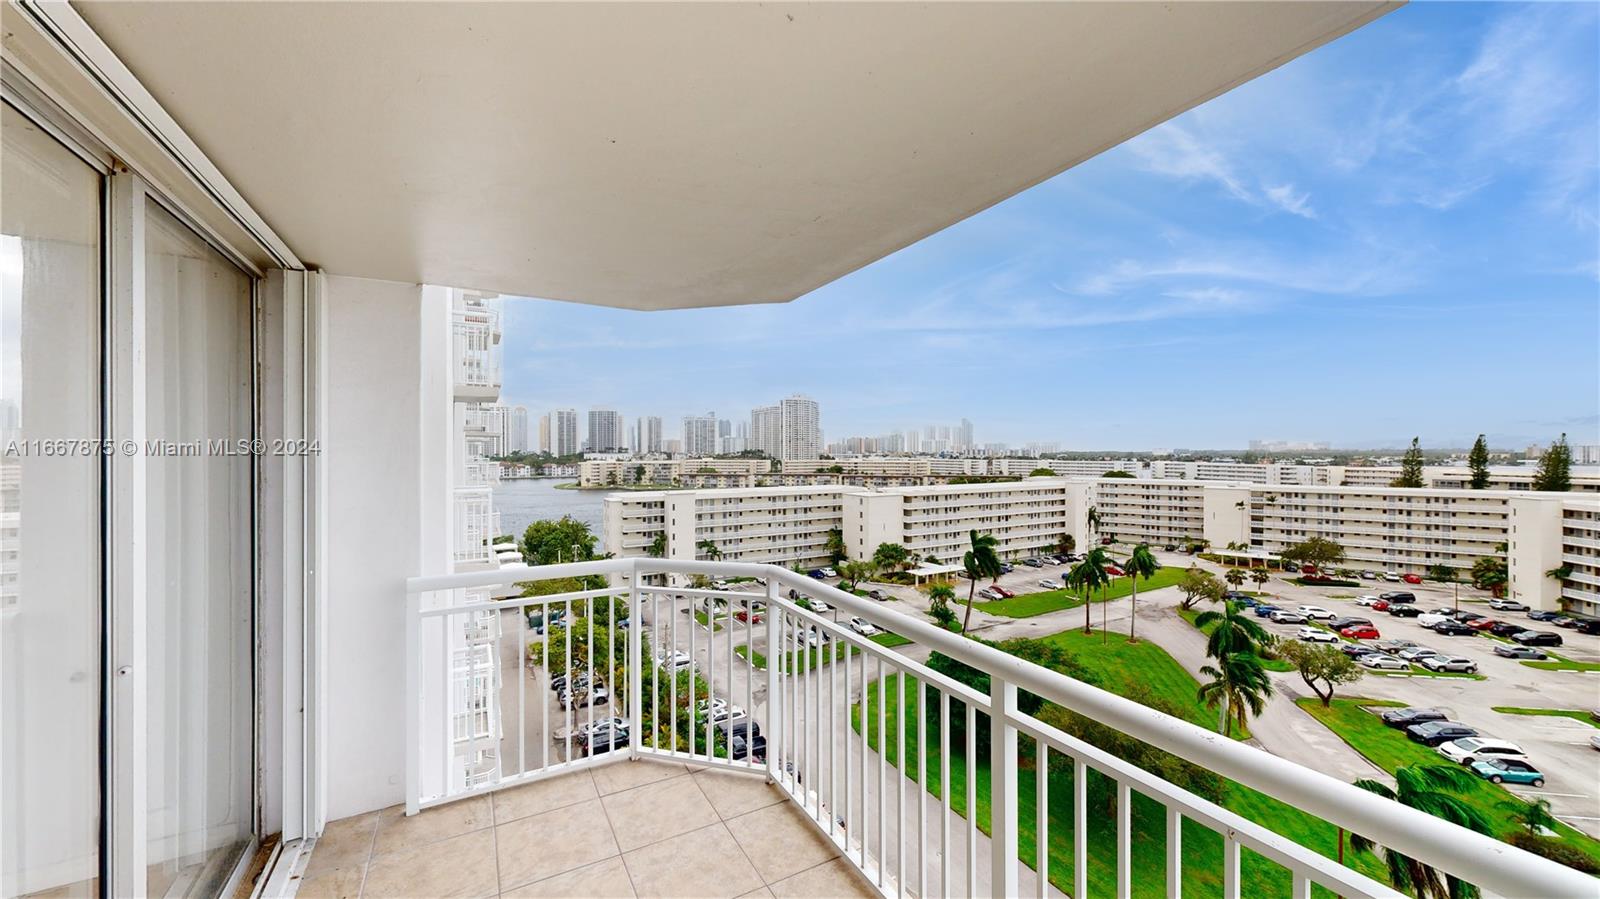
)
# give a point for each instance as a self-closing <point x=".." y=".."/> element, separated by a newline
<point x="853" y="573"/>
<point x="1234" y="577"/>
<point x="1141" y="564"/>
<point x="709" y="550"/>
<point x="1261" y="577"/>
<point x="1533" y="815"/>
<point x="939" y="597"/>
<point x="981" y="561"/>
<point x="1086" y="576"/>
<point x="1239" y="685"/>
<point x="1092" y="520"/>
<point x="1431" y="789"/>
<point x="1235" y="632"/>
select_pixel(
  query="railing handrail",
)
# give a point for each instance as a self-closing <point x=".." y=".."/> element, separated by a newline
<point x="1483" y="860"/>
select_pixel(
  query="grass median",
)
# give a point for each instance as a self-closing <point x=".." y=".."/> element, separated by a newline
<point x="1028" y="605"/>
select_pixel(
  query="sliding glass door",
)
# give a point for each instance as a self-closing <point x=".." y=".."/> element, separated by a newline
<point x="50" y="504"/>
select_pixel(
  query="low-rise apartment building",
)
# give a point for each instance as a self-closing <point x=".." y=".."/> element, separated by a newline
<point x="677" y="472"/>
<point x="1501" y="477"/>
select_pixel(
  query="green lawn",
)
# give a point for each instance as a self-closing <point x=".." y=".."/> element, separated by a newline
<point x="705" y="620"/>
<point x="1559" y="663"/>
<point x="888" y="639"/>
<point x="1575" y="714"/>
<point x="759" y="659"/>
<point x="1029" y="604"/>
<point x="1389" y="749"/>
<point x="1116" y="663"/>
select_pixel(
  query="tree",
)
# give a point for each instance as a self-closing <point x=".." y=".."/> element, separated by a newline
<point x="1442" y="573"/>
<point x="657" y="547"/>
<point x="1532" y="815"/>
<point x="1141" y="564"/>
<point x="1319" y="663"/>
<point x="939" y="597"/>
<point x="1091" y="519"/>
<point x="708" y="549"/>
<point x="1489" y="573"/>
<point x="891" y="556"/>
<point x="1317" y="551"/>
<point x="1234" y="577"/>
<point x="1066" y="543"/>
<point x="1232" y="631"/>
<point x="1238" y="688"/>
<point x="981" y="561"/>
<point x="1198" y="584"/>
<point x="1478" y="461"/>
<point x="853" y="573"/>
<point x="835" y="546"/>
<point x="1555" y="468"/>
<point x="1410" y="467"/>
<point x="548" y="542"/>
<point x="1260" y="576"/>
<point x="1042" y="473"/>
<point x="1086" y="577"/>
<point x="1431" y="789"/>
<point x="1118" y="473"/>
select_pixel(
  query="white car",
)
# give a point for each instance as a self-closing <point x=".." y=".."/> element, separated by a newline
<point x="863" y="627"/>
<point x="1467" y="750"/>
<point x="1449" y="663"/>
<point x="1507" y="605"/>
<point x="677" y="661"/>
<point x="1315" y="612"/>
<point x="1284" y="616"/>
<point x="820" y="607"/>
<point x="717" y="711"/>
<point x="990" y="594"/>
<point x="1366" y="600"/>
<point x="1317" y="635"/>
<point x="1391" y="577"/>
<point x="1430" y="619"/>
<point x="829" y="572"/>
<point x="1049" y="584"/>
<point x="1415" y="653"/>
<point x="1383" y="662"/>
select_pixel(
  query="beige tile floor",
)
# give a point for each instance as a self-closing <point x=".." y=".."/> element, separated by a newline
<point x="634" y="828"/>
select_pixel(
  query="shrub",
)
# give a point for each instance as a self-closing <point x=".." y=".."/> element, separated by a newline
<point x="1554" y="849"/>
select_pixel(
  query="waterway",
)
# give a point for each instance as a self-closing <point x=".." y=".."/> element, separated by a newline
<point x="523" y="501"/>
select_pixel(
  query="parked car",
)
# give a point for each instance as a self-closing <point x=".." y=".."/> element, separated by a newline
<point x="1004" y="593"/>
<point x="717" y="710"/>
<point x="1033" y="563"/>
<point x="1468" y="750"/>
<point x="1589" y="626"/>
<point x="1412" y="578"/>
<point x="605" y="739"/>
<point x="597" y="695"/>
<point x="863" y="627"/>
<point x="1403" y="718"/>
<point x="1369" y="575"/>
<point x="1506" y="604"/>
<point x="1453" y="629"/>
<point x="748" y="617"/>
<point x="1506" y="628"/>
<point x="1345" y="621"/>
<point x="1416" y="653"/>
<point x="1432" y="733"/>
<point x="1543" y="615"/>
<point x="1391" y="576"/>
<point x="877" y="594"/>
<point x="820" y="607"/>
<point x="1404" y="610"/>
<point x="1564" y="621"/>
<point x="1114" y="571"/>
<point x="1482" y="624"/>
<point x="1382" y="605"/>
<point x="1284" y="616"/>
<point x="1430" y="620"/>
<point x="1466" y="615"/>
<point x="1265" y="609"/>
<point x="990" y="593"/>
<point x="1394" y="646"/>
<point x="1449" y="663"/>
<point x="1315" y="612"/>
<point x="1518" y="652"/>
<point x="816" y="573"/>
<point x="1382" y="662"/>
<point x="677" y="661"/>
<point x="1357" y="650"/>
<point x="1316" y="635"/>
<point x="1514" y="771"/>
<point x="1398" y="596"/>
<point x="1050" y="584"/>
<point x="1360" y="632"/>
<point x="1537" y="638"/>
<point x="1366" y="600"/>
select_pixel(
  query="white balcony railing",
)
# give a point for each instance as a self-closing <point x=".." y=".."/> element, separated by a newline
<point x="475" y="353"/>
<point x="474" y="524"/>
<point x="814" y="718"/>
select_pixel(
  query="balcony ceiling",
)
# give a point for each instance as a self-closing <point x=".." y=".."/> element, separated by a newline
<point x="657" y="156"/>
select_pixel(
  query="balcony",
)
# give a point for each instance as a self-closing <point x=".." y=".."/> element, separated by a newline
<point x="475" y="353"/>
<point x="475" y="526"/>
<point x="783" y="784"/>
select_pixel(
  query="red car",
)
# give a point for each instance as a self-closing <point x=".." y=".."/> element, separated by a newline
<point x="744" y="615"/>
<point x="1114" y="571"/>
<point x="1412" y="578"/>
<point x="1001" y="590"/>
<point x="1482" y="624"/>
<point x="1381" y="605"/>
<point x="1361" y="632"/>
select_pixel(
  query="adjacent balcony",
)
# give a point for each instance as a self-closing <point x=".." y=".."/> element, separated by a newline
<point x="475" y="525"/>
<point x="475" y="353"/>
<point x="711" y="742"/>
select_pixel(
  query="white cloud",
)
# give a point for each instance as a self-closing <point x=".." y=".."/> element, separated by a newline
<point x="1176" y="152"/>
<point x="1286" y="199"/>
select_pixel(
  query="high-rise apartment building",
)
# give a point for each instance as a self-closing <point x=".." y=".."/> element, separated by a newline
<point x="801" y="428"/>
<point x="544" y="433"/>
<point x="913" y="442"/>
<point x="964" y="439"/>
<point x="647" y="434"/>
<point x="517" y="430"/>
<point x="564" y="432"/>
<point x="700" y="434"/>
<point x="605" y="431"/>
<point x="766" y="430"/>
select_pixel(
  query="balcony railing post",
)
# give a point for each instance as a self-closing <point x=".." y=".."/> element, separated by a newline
<point x="636" y="662"/>
<point x="1003" y="876"/>
<point x="413" y="702"/>
<point x="775" y="648"/>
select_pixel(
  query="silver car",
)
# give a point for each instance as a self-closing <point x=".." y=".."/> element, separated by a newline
<point x="1383" y="663"/>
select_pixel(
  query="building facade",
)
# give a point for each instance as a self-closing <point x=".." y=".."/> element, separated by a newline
<point x="605" y="431"/>
<point x="564" y="432"/>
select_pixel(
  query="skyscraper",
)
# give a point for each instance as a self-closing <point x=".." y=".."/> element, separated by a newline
<point x="605" y="430"/>
<point x="801" y="424"/>
<point x="766" y="430"/>
<point x="700" y="434"/>
<point x="564" y="432"/>
<point x="517" y="429"/>
<point x="964" y="438"/>
<point x="648" y="429"/>
<point x="544" y="433"/>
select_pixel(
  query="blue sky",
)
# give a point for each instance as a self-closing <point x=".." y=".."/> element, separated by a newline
<point x="1397" y="234"/>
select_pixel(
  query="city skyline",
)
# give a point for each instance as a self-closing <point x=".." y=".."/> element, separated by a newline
<point x="1372" y="217"/>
